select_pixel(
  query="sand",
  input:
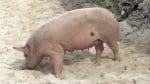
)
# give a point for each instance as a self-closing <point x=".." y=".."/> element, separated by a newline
<point x="19" y="18"/>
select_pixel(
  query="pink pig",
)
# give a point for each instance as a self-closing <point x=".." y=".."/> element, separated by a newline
<point x="75" y="30"/>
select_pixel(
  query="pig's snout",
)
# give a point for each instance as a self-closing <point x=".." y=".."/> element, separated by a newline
<point x="24" y="67"/>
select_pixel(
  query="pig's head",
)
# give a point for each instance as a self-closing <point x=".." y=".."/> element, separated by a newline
<point x="27" y="54"/>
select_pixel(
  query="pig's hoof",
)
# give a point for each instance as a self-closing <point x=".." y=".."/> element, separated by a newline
<point x="60" y="77"/>
<point x="97" y="63"/>
<point x="117" y="59"/>
<point x="24" y="67"/>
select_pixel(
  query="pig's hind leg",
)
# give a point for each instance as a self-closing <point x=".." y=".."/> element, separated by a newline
<point x="99" y="49"/>
<point x="115" y="48"/>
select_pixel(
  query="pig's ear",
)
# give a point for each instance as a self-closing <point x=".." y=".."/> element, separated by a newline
<point x="24" y="49"/>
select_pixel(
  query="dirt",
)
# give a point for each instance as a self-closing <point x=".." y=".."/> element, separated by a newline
<point x="19" y="18"/>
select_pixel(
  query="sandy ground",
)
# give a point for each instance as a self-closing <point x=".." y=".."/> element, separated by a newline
<point x="18" y="18"/>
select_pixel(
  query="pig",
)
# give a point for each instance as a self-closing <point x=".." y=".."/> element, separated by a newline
<point x="74" y="30"/>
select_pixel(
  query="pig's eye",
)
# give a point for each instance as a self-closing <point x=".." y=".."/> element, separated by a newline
<point x="25" y="55"/>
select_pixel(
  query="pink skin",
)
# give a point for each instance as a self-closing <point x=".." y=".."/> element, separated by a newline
<point x="75" y="30"/>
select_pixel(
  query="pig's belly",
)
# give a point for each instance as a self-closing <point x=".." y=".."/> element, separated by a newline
<point x="78" y="46"/>
<point x="80" y="42"/>
<point x="82" y="45"/>
<point x="84" y="38"/>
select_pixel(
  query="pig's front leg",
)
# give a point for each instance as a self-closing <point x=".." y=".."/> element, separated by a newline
<point x="57" y="57"/>
<point x="57" y="60"/>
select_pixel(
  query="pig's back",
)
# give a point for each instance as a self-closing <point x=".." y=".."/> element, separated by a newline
<point x="65" y="25"/>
